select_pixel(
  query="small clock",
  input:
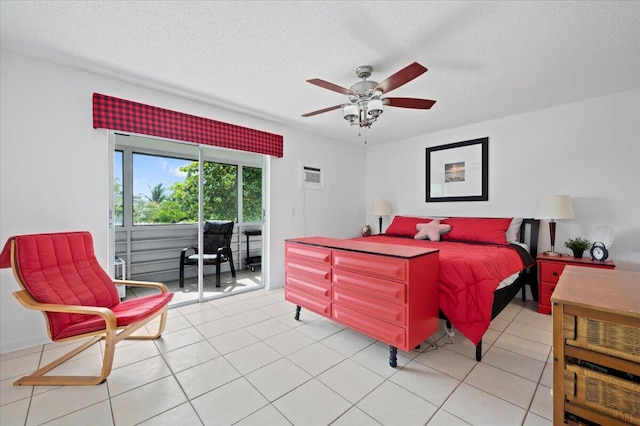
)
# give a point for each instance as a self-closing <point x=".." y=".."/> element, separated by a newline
<point x="599" y="252"/>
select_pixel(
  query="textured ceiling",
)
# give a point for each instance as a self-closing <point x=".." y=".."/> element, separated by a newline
<point x="486" y="59"/>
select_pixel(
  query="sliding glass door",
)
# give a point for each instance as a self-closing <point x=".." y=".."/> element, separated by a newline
<point x="163" y="193"/>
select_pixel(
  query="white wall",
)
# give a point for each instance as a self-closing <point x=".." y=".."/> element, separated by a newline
<point x="589" y="150"/>
<point x="53" y="172"/>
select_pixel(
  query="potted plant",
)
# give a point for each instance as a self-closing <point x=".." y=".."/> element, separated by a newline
<point x="578" y="245"/>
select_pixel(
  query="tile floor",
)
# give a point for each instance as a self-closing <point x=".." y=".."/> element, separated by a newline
<point x="244" y="360"/>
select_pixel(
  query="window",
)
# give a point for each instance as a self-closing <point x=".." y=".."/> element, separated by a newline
<point x="117" y="188"/>
<point x="165" y="190"/>
<point x="251" y="194"/>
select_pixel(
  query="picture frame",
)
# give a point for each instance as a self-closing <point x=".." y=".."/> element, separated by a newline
<point x="458" y="171"/>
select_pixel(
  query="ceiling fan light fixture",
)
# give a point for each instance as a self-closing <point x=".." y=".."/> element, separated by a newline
<point x="374" y="108"/>
<point x="350" y="112"/>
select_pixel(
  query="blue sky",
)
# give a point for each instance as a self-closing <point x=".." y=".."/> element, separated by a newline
<point x="148" y="171"/>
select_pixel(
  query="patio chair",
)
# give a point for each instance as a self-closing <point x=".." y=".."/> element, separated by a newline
<point x="217" y="249"/>
<point x="61" y="277"/>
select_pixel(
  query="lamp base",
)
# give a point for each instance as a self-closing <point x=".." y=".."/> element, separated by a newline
<point x="552" y="253"/>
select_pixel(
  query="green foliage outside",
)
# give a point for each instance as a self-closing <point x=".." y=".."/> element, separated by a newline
<point x="179" y="203"/>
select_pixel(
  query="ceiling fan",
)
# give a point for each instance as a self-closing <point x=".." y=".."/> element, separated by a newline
<point x="365" y="97"/>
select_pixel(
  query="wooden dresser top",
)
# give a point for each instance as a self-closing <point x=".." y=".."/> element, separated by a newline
<point x="609" y="290"/>
<point x="364" y="246"/>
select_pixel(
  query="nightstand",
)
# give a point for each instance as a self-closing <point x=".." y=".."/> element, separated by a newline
<point x="549" y="270"/>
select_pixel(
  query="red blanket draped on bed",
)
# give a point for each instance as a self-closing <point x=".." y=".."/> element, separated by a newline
<point x="469" y="274"/>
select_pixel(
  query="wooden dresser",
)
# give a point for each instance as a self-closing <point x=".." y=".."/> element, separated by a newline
<point x="388" y="292"/>
<point x="549" y="270"/>
<point x="596" y="346"/>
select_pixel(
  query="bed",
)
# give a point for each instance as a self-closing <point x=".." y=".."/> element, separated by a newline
<point x="484" y="263"/>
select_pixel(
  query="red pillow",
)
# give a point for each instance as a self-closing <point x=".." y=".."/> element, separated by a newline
<point x="486" y="230"/>
<point x="405" y="225"/>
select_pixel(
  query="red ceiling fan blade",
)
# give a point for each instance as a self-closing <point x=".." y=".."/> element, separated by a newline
<point x="330" y="86"/>
<point x="320" y="111"/>
<point x="403" y="76"/>
<point x="409" y="103"/>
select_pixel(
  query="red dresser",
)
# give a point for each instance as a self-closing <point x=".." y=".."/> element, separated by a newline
<point x="388" y="292"/>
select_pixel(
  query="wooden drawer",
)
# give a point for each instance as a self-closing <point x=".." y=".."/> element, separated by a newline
<point x="319" y="289"/>
<point x="317" y="272"/>
<point x="383" y="331"/>
<point x="550" y="272"/>
<point x="319" y="306"/>
<point x="381" y="266"/>
<point x="385" y="311"/>
<point x="389" y="290"/>
<point x="604" y="393"/>
<point x="546" y="290"/>
<point x="308" y="253"/>
<point x="610" y="338"/>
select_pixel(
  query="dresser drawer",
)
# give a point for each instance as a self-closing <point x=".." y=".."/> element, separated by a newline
<point x="546" y="290"/>
<point x="390" y="312"/>
<point x="383" y="331"/>
<point x="308" y="253"/>
<point x="314" y="271"/>
<point x="319" y="289"/>
<point x="319" y="306"/>
<point x="380" y="266"/>
<point x="391" y="290"/>
<point x="550" y="272"/>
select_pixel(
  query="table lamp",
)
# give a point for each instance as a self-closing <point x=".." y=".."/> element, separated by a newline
<point x="554" y="207"/>
<point x="381" y="208"/>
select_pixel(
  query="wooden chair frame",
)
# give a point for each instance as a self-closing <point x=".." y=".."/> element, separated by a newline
<point x="112" y="334"/>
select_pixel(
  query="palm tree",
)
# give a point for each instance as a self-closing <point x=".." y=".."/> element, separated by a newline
<point x="157" y="194"/>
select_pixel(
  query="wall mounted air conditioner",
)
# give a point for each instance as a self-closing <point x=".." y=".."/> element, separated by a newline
<point x="311" y="176"/>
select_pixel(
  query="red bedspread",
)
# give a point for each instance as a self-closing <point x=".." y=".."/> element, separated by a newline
<point x="469" y="274"/>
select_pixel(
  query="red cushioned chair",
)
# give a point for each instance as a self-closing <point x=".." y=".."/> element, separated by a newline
<point x="61" y="277"/>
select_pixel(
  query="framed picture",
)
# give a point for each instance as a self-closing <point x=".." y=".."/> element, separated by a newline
<point x="458" y="171"/>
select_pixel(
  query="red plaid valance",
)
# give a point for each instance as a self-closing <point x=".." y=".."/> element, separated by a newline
<point x="128" y="116"/>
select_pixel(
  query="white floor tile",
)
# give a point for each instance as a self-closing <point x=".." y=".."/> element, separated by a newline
<point x="133" y="407"/>
<point x="542" y="404"/>
<point x="189" y="356"/>
<point x="513" y="362"/>
<point x="289" y="342"/>
<point x="61" y="401"/>
<point x="391" y="404"/>
<point x="500" y="383"/>
<point x="252" y="357"/>
<point x="429" y="384"/>
<point x="535" y="420"/>
<point x="312" y="404"/>
<point x="347" y="342"/>
<point x="178" y="339"/>
<point x="351" y="380"/>
<point x="267" y="328"/>
<point x="448" y="362"/>
<point x="443" y="418"/>
<point x="355" y="417"/>
<point x="523" y="346"/>
<point x="265" y="416"/>
<point x="134" y="375"/>
<point x="480" y="408"/>
<point x="207" y="376"/>
<point x="229" y="403"/>
<point x="15" y="413"/>
<point x="96" y="415"/>
<point x="277" y="378"/>
<point x="376" y="358"/>
<point x="233" y="340"/>
<point x="316" y="358"/>
<point x="530" y="333"/>
<point x="181" y="415"/>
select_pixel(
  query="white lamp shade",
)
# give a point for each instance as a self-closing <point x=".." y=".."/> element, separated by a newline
<point x="381" y="208"/>
<point x="554" y="207"/>
<point x="350" y="112"/>
<point x="374" y="107"/>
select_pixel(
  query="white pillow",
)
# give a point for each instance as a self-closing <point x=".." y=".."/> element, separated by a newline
<point x="513" y="232"/>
